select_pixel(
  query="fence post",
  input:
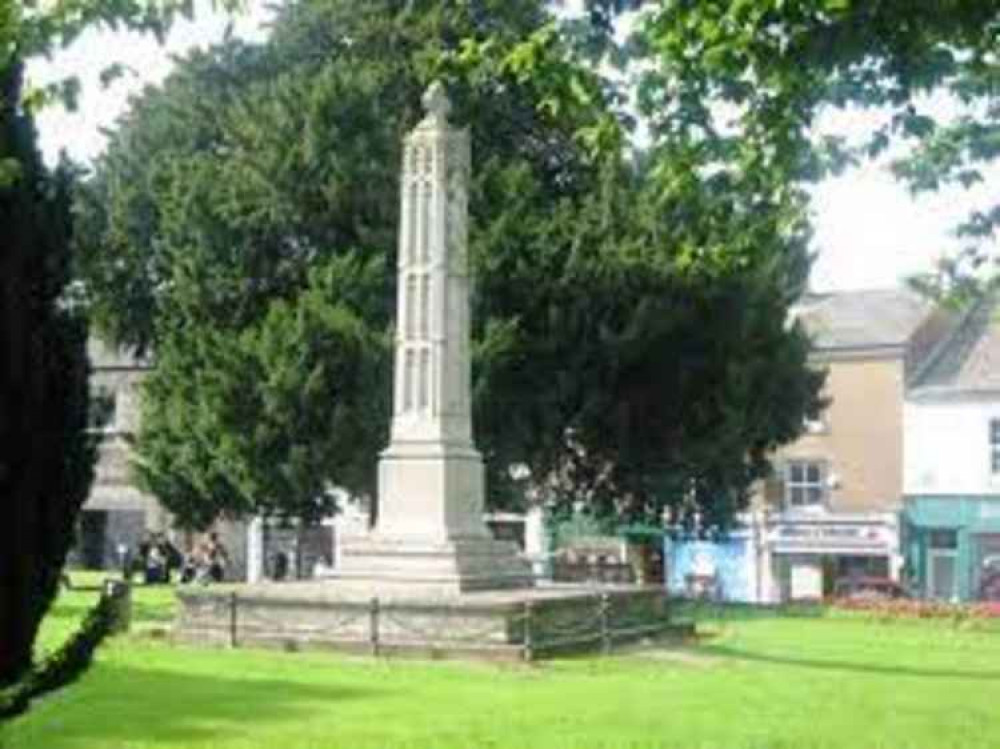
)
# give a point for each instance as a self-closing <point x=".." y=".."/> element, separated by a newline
<point x="117" y="595"/>
<point x="233" y="640"/>
<point x="373" y="614"/>
<point x="605" y="606"/>
<point x="528" y="645"/>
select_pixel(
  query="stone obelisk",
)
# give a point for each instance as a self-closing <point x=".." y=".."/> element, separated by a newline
<point x="430" y="536"/>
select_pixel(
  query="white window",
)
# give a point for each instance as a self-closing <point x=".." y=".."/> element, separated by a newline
<point x="995" y="446"/>
<point x="103" y="406"/>
<point x="804" y="483"/>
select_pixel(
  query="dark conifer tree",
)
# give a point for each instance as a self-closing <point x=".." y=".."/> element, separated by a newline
<point x="46" y="455"/>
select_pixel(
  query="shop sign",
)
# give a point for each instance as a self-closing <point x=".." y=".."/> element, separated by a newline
<point x="819" y="536"/>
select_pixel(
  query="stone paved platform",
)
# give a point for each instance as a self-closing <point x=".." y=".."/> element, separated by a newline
<point x="497" y="625"/>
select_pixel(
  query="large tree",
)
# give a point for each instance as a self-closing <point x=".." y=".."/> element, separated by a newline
<point x="46" y="453"/>
<point x="633" y="308"/>
<point x="47" y="459"/>
<point x="263" y="419"/>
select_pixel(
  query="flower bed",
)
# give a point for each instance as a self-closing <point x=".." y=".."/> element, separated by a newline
<point x="906" y="608"/>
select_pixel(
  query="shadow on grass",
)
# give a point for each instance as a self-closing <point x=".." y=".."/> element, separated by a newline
<point x="726" y="651"/>
<point x="115" y="704"/>
<point x="710" y="611"/>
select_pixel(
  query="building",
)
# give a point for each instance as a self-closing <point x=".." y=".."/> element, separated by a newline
<point x="831" y="510"/>
<point x="116" y="513"/>
<point x="951" y="520"/>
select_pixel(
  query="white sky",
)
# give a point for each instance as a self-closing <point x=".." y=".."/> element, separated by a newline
<point x="869" y="232"/>
<point x="79" y="133"/>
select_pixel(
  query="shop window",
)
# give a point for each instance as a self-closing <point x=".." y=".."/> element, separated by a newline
<point x="995" y="446"/>
<point x="804" y="484"/>
<point x="867" y="566"/>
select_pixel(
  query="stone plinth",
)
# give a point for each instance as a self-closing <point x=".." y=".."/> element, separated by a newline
<point x="384" y="566"/>
<point x="495" y="625"/>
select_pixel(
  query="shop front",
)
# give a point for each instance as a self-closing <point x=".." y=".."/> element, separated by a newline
<point x="810" y="556"/>
<point x="952" y="547"/>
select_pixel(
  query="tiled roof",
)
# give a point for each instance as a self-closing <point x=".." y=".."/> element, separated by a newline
<point x="970" y="360"/>
<point x="862" y="319"/>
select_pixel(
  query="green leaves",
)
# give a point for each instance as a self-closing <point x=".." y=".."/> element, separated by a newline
<point x="567" y="94"/>
<point x="65" y="92"/>
<point x="778" y="64"/>
<point x="244" y="222"/>
<point x="113" y="72"/>
<point x="265" y="420"/>
<point x="640" y="322"/>
<point x="10" y="172"/>
<point x="46" y="25"/>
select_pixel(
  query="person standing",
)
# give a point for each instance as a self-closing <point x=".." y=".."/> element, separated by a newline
<point x="155" y="566"/>
<point x="126" y="561"/>
<point x="218" y="558"/>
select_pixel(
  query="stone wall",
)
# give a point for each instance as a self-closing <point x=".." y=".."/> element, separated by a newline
<point x="511" y="625"/>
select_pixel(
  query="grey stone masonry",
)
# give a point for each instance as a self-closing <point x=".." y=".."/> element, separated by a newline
<point x="500" y="625"/>
<point x="430" y="535"/>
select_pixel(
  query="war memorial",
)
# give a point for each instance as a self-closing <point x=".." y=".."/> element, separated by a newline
<point x="429" y="578"/>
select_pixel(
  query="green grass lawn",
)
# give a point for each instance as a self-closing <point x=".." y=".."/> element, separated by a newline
<point x="152" y="609"/>
<point x="754" y="681"/>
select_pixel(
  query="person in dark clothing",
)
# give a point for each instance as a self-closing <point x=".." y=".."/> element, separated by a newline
<point x="128" y="562"/>
<point x="217" y="558"/>
<point x="189" y="568"/>
<point x="173" y="559"/>
<point x="279" y="565"/>
<point x="144" y="548"/>
<point x="156" y="566"/>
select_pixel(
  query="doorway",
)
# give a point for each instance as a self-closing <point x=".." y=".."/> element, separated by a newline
<point x="942" y="565"/>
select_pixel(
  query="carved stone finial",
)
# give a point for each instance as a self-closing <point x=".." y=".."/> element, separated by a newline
<point x="436" y="102"/>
